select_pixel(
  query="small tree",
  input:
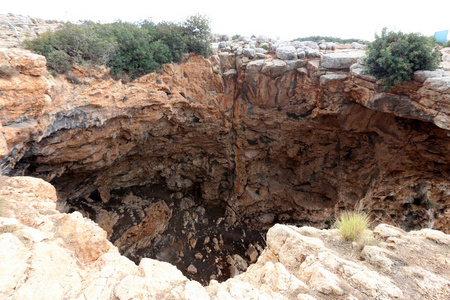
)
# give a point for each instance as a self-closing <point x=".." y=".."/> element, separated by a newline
<point x="198" y="35"/>
<point x="172" y="35"/>
<point x="394" y="56"/>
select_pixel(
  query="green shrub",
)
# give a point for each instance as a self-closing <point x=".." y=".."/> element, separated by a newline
<point x="130" y="50"/>
<point x="394" y="56"/>
<point x="133" y="55"/>
<point x="353" y="224"/>
<point x="171" y="34"/>
<point x="265" y="47"/>
<point x="42" y="45"/>
<point x="198" y="35"/>
<point x="235" y="37"/>
<point x="59" y="61"/>
<point x="74" y="44"/>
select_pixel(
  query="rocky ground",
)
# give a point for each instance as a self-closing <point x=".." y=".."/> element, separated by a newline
<point x="180" y="229"/>
<point x="45" y="254"/>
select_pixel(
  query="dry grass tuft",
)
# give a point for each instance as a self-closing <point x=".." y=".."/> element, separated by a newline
<point x="353" y="224"/>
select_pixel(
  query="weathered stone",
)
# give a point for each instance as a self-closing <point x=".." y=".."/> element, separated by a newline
<point x="306" y="44"/>
<point x="260" y="50"/>
<point x="301" y="54"/>
<point x="326" y="79"/>
<point x="249" y="52"/>
<point x="13" y="262"/>
<point x="340" y="60"/>
<point x="89" y="240"/>
<point x="252" y="253"/>
<point x="358" y="46"/>
<point x="312" y="53"/>
<point x="287" y="53"/>
<point x="262" y="39"/>
<point x="421" y="76"/>
<point x="378" y="257"/>
<point x="275" y="68"/>
<point x="191" y="269"/>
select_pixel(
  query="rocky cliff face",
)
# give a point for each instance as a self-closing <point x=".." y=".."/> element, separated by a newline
<point x="277" y="141"/>
<point x="264" y="141"/>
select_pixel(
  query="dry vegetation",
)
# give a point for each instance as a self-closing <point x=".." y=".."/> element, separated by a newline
<point x="353" y="225"/>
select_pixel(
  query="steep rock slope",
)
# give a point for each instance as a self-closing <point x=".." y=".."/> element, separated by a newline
<point x="272" y="140"/>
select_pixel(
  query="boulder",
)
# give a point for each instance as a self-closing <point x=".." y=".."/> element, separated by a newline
<point x="223" y="45"/>
<point x="301" y="54"/>
<point x="359" y="46"/>
<point x="306" y="44"/>
<point x="312" y="53"/>
<point x="421" y="76"/>
<point x="341" y="60"/>
<point x="327" y="45"/>
<point x="275" y="68"/>
<point x="287" y="53"/>
<point x="249" y="52"/>
<point x="262" y="39"/>
<point x="260" y="50"/>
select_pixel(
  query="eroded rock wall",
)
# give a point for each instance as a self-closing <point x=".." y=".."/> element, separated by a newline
<point x="274" y="140"/>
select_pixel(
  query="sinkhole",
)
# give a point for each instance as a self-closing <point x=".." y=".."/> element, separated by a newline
<point x="178" y="227"/>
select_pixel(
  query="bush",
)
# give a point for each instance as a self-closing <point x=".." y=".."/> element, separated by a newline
<point x="235" y="37"/>
<point x="129" y="50"/>
<point x="394" y="56"/>
<point x="59" y="61"/>
<point x="198" y="35"/>
<point x="133" y="55"/>
<point x="353" y="224"/>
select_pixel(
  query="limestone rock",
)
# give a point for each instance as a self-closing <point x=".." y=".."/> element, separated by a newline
<point x="248" y="52"/>
<point x="275" y="68"/>
<point x="83" y="235"/>
<point x="358" y="46"/>
<point x="421" y="76"/>
<point x="13" y="262"/>
<point x="262" y="39"/>
<point x="287" y="53"/>
<point x="340" y="60"/>
<point x="312" y="53"/>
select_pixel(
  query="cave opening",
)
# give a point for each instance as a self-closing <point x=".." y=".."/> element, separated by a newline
<point x="201" y="196"/>
<point x="178" y="227"/>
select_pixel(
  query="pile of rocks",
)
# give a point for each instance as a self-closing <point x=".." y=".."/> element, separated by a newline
<point x="16" y="28"/>
<point x="262" y="47"/>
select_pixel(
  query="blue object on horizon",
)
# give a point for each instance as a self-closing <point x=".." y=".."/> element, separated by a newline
<point x="441" y="36"/>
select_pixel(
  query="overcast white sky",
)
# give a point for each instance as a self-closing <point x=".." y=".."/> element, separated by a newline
<point x="284" y="19"/>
